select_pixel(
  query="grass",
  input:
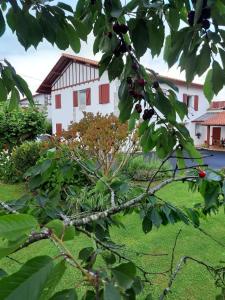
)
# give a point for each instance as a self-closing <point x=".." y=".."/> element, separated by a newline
<point x="192" y="283"/>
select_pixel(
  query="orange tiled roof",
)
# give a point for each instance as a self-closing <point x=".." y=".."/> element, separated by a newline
<point x="217" y="120"/>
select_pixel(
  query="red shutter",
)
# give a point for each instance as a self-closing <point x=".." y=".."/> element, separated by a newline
<point x="104" y="93"/>
<point x="185" y="98"/>
<point x="75" y="99"/>
<point x="88" y="96"/>
<point x="196" y="103"/>
<point x="100" y="94"/>
<point x="58" y="101"/>
<point x="59" y="129"/>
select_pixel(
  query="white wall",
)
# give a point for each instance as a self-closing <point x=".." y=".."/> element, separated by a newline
<point x="68" y="113"/>
<point x="203" y="105"/>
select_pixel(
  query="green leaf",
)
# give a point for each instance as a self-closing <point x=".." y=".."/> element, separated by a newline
<point x="108" y="257"/>
<point x="23" y="88"/>
<point x="65" y="6"/>
<point x="69" y="294"/>
<point x="207" y="88"/>
<point x="14" y="99"/>
<point x="3" y="91"/>
<point x="111" y="292"/>
<point x="14" y="226"/>
<point x="85" y="253"/>
<point x="173" y="18"/>
<point x="139" y="31"/>
<point x="169" y="83"/>
<point x="61" y="231"/>
<point x="203" y="59"/>
<point x="125" y="103"/>
<point x="115" y="68"/>
<point x="132" y="121"/>
<point x="29" y="281"/>
<point x="3" y="273"/>
<point x="124" y="274"/>
<point x="53" y="280"/>
<point x="218" y="77"/>
<point x="146" y="224"/>
<point x="155" y="36"/>
<point x="7" y="247"/>
<point x="73" y="38"/>
<point x="2" y="23"/>
<point x="116" y="8"/>
<point x="155" y="217"/>
<point x="147" y="142"/>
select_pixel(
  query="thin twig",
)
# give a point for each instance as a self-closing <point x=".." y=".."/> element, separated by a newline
<point x="179" y="266"/>
<point x="173" y="251"/>
<point x="8" y="208"/>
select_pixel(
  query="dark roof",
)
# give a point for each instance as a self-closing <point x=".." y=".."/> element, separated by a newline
<point x="65" y="59"/>
<point x="56" y="71"/>
<point x="204" y="117"/>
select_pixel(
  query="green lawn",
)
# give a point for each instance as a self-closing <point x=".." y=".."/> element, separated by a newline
<point x="193" y="283"/>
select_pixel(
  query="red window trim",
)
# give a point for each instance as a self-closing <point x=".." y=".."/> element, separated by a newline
<point x="88" y="96"/>
<point x="104" y="93"/>
<point x="58" y="101"/>
<point x="75" y="98"/>
<point x="196" y="102"/>
<point x="58" y="129"/>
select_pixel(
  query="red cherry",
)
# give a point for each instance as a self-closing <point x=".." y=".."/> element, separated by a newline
<point x="201" y="174"/>
<point x="141" y="82"/>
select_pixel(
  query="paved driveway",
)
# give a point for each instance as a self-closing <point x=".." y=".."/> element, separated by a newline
<point x="214" y="159"/>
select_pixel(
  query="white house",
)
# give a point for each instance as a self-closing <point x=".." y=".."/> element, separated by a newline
<point x="75" y="86"/>
<point x="42" y="102"/>
<point x="210" y="127"/>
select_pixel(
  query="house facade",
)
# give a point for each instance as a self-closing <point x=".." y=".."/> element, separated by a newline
<point x="210" y="126"/>
<point x="74" y="86"/>
<point x="42" y="102"/>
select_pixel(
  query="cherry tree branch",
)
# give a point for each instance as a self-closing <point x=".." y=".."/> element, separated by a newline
<point x="212" y="270"/>
<point x="135" y="201"/>
<point x="8" y="208"/>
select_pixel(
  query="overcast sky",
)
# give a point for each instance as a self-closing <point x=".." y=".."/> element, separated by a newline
<point x="34" y="64"/>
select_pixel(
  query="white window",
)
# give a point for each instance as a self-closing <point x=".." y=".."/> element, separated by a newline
<point x="190" y="101"/>
<point x="82" y="99"/>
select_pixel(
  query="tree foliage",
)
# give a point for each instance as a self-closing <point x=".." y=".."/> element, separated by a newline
<point x="19" y="125"/>
<point x="123" y="33"/>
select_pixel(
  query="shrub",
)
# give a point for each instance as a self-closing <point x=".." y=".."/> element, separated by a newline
<point x="25" y="156"/>
<point x="8" y="172"/>
<point x="48" y="127"/>
<point x="141" y="168"/>
<point x="54" y="172"/>
<point x="101" y="138"/>
<point x="19" y="125"/>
